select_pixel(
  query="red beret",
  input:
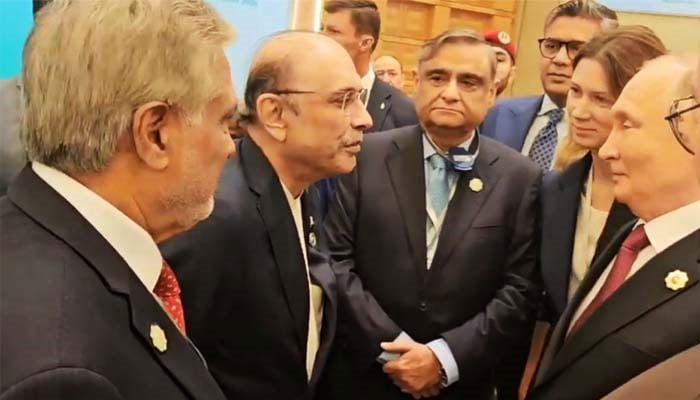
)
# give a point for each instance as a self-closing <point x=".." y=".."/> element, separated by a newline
<point x="501" y="39"/>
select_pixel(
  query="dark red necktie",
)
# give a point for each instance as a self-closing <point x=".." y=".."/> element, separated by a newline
<point x="633" y="244"/>
<point x="168" y="291"/>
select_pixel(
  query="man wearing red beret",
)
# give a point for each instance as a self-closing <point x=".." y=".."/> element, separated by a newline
<point x="504" y="47"/>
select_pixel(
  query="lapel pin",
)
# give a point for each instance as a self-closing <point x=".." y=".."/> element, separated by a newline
<point x="476" y="185"/>
<point x="676" y="280"/>
<point x="160" y="342"/>
<point x="382" y="106"/>
<point x="311" y="220"/>
<point x="312" y="239"/>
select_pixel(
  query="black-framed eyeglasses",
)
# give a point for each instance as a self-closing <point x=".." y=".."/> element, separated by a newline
<point x="549" y="48"/>
<point x="348" y="98"/>
<point x="675" y="117"/>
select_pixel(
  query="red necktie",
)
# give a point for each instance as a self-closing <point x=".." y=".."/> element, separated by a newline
<point x="168" y="290"/>
<point x="633" y="244"/>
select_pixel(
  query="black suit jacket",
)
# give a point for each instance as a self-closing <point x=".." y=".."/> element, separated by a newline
<point x="75" y="319"/>
<point x="639" y="326"/>
<point x="478" y="294"/>
<point x="389" y="107"/>
<point x="561" y="199"/>
<point x="245" y="288"/>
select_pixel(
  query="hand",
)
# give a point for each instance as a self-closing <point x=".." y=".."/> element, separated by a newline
<point x="417" y="371"/>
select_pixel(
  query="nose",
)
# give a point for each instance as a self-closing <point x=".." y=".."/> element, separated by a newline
<point x="562" y="58"/>
<point x="451" y="91"/>
<point x="608" y="151"/>
<point x="577" y="108"/>
<point x="360" y="120"/>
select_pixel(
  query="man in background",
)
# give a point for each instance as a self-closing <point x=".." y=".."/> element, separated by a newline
<point x="504" y="48"/>
<point x="535" y="125"/>
<point x="389" y="69"/>
<point x="264" y="313"/>
<point x="355" y="24"/>
<point x="126" y="145"/>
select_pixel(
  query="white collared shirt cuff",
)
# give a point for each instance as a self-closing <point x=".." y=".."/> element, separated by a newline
<point x="386" y="356"/>
<point x="447" y="360"/>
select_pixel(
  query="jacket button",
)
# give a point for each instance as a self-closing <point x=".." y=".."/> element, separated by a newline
<point x="423" y="306"/>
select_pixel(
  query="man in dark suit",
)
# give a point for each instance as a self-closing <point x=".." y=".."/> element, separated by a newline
<point x="432" y="240"/>
<point x="355" y="24"/>
<point x="89" y="308"/>
<point x="639" y="304"/>
<point x="534" y="125"/>
<point x="264" y="313"/>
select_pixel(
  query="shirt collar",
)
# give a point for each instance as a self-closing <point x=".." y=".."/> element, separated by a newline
<point x="547" y="106"/>
<point x="665" y="230"/>
<point x="429" y="150"/>
<point x="368" y="79"/>
<point x="130" y="240"/>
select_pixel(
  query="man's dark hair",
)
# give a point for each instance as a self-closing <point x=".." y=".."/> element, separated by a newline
<point x="585" y="9"/>
<point x="363" y="14"/>
<point x="38" y="4"/>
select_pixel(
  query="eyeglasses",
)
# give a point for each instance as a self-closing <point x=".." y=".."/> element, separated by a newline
<point x="549" y="48"/>
<point x="674" y="117"/>
<point x="348" y="97"/>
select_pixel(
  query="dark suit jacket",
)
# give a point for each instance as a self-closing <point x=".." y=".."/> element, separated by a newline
<point x="675" y="378"/>
<point x="509" y="120"/>
<point x="639" y="326"/>
<point x="75" y="319"/>
<point x="478" y="294"/>
<point x="244" y="285"/>
<point x="389" y="107"/>
<point x="561" y="198"/>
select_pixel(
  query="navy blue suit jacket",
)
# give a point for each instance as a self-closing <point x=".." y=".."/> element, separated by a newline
<point x="509" y="120"/>
<point x="389" y="108"/>
<point x="561" y="198"/>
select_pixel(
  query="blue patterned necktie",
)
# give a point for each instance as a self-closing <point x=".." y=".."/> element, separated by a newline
<point x="438" y="184"/>
<point x="542" y="150"/>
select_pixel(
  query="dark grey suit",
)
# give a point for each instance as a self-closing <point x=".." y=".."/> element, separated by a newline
<point x="478" y="294"/>
<point x="75" y="320"/>
<point x="389" y="107"/>
<point x="12" y="153"/>
<point x="639" y="326"/>
<point x="245" y="287"/>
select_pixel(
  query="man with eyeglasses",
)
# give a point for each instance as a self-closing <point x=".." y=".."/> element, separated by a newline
<point x="432" y="240"/>
<point x="258" y="290"/>
<point x="535" y="125"/>
<point x="640" y="303"/>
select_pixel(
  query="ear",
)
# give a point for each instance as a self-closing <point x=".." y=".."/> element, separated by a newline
<point x="270" y="112"/>
<point x="366" y="43"/>
<point x="150" y="141"/>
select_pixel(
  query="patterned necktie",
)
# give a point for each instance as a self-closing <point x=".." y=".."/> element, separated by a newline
<point x="438" y="184"/>
<point x="542" y="150"/>
<point x="168" y="291"/>
<point x="633" y="244"/>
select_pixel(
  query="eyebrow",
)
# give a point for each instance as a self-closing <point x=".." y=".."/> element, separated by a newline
<point x="342" y="91"/>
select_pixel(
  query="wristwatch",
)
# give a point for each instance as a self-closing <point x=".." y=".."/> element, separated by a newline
<point x="443" y="378"/>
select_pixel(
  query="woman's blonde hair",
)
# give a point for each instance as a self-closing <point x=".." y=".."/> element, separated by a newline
<point x="621" y="53"/>
<point x="88" y="64"/>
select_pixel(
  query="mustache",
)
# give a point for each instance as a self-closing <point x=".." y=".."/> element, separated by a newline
<point x="351" y="142"/>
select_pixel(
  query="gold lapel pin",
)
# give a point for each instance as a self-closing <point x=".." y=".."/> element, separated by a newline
<point x="476" y="185"/>
<point x="160" y="342"/>
<point x="382" y="106"/>
<point x="676" y="280"/>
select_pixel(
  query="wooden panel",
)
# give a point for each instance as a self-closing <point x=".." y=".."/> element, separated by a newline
<point x="407" y="24"/>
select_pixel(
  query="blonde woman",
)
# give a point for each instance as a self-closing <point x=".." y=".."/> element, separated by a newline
<point x="579" y="214"/>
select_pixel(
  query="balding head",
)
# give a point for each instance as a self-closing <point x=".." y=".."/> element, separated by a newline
<point x="303" y="107"/>
<point x="292" y="57"/>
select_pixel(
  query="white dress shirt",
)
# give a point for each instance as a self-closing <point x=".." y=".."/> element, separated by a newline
<point x="367" y="82"/>
<point x="315" y="292"/>
<point x="129" y="239"/>
<point x="662" y="231"/>
<point x="540" y="122"/>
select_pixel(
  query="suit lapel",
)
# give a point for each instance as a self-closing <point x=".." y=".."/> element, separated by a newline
<point x="647" y="288"/>
<point x="465" y="205"/>
<point x="378" y="104"/>
<point x="520" y="118"/>
<point x="49" y="209"/>
<point x="281" y="229"/>
<point x="559" y="333"/>
<point x="407" y="174"/>
<point x="560" y="231"/>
